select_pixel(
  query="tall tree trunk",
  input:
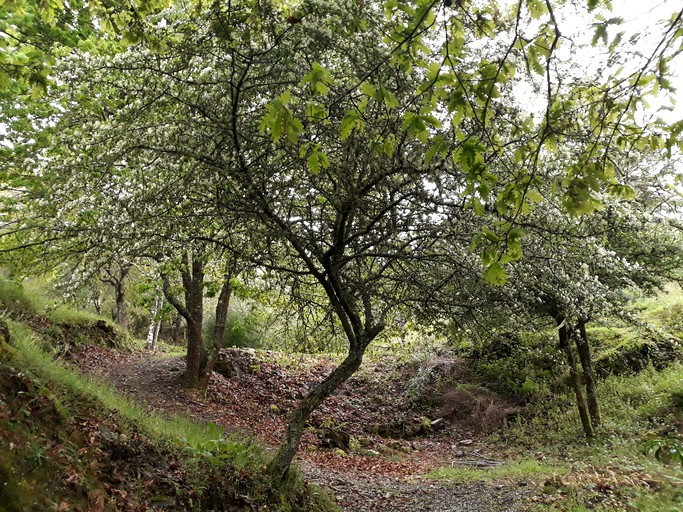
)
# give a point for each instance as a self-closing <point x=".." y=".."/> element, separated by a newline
<point x="193" y="282"/>
<point x="192" y="274"/>
<point x="121" y="317"/>
<point x="117" y="279"/>
<point x="157" y="330"/>
<point x="583" y="349"/>
<point x="153" y="323"/>
<point x="199" y="360"/>
<point x="177" y="330"/>
<point x="279" y="466"/>
<point x="96" y="299"/>
<point x="574" y="376"/>
<point x="194" y="356"/>
<point x="218" y="331"/>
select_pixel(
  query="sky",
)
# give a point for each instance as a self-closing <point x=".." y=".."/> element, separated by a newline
<point x="644" y="17"/>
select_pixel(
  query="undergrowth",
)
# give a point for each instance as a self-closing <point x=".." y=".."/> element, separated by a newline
<point x="29" y="300"/>
<point x="516" y="470"/>
<point x="208" y="469"/>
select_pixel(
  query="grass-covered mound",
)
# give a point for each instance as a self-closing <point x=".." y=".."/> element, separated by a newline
<point x="71" y="443"/>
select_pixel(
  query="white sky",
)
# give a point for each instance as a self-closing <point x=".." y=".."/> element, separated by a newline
<point x="645" y="17"/>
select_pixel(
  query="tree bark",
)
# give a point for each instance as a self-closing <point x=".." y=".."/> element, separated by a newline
<point x="118" y="281"/>
<point x="177" y="328"/>
<point x="199" y="360"/>
<point x="574" y="377"/>
<point x="153" y="323"/>
<point x="218" y="331"/>
<point x="121" y="317"/>
<point x="583" y="349"/>
<point x="279" y="466"/>
<point x="157" y="330"/>
<point x="192" y="274"/>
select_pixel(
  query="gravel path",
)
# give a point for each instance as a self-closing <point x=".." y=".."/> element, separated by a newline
<point x="155" y="380"/>
<point x="381" y="494"/>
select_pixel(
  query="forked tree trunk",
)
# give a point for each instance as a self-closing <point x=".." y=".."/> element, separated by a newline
<point x="118" y="281"/>
<point x="583" y="349"/>
<point x="574" y="376"/>
<point x="192" y="274"/>
<point x="279" y="466"/>
<point x="199" y="362"/>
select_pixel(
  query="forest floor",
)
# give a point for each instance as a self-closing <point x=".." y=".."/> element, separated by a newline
<point x="253" y="394"/>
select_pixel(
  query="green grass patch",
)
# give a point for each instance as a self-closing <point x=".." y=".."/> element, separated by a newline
<point x="524" y="469"/>
<point x="31" y="298"/>
<point x="219" y="470"/>
<point x="176" y="429"/>
<point x="162" y="348"/>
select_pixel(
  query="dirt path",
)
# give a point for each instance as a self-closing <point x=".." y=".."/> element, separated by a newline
<point x="386" y="494"/>
<point x="256" y="402"/>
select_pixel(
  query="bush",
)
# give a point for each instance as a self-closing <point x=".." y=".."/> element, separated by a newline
<point x="244" y="328"/>
<point x="517" y="365"/>
<point x="621" y="351"/>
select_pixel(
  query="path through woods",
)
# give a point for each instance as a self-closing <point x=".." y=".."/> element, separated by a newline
<point x="387" y="477"/>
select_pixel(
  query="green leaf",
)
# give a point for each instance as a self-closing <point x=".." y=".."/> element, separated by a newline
<point x="495" y="274"/>
<point x="433" y="71"/>
<point x="430" y="154"/>
<point x="285" y="97"/>
<point x="415" y="126"/>
<point x="368" y="89"/>
<point x="600" y="33"/>
<point x="490" y="235"/>
<point x="348" y="124"/>
<point x="313" y="163"/>
<point x="536" y="8"/>
<point x="534" y="196"/>
<point x="389" y="98"/>
<point x="515" y="234"/>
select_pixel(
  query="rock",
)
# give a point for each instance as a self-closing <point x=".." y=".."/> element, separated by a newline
<point x="437" y="423"/>
<point x="331" y="438"/>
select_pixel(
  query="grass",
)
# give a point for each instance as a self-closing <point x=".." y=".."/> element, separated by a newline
<point x="521" y="469"/>
<point x="612" y="471"/>
<point x="30" y="298"/>
<point x="221" y="465"/>
<point x="175" y="430"/>
<point x="162" y="348"/>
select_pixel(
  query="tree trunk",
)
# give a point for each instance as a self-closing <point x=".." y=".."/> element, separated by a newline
<point x="192" y="274"/>
<point x="153" y="321"/>
<point x="583" y="349"/>
<point x="118" y="281"/>
<point x="279" y="466"/>
<point x="157" y="330"/>
<point x="177" y="331"/>
<point x="218" y="331"/>
<point x="574" y="376"/>
<point x="120" y="295"/>
<point x="195" y="354"/>
<point x="199" y="362"/>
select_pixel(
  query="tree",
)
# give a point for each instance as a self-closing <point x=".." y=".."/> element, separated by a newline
<point x="577" y="270"/>
<point x="342" y="146"/>
<point x="116" y="277"/>
<point x="35" y="33"/>
<point x="200" y="358"/>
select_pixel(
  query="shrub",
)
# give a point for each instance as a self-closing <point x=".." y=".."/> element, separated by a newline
<point x="244" y="328"/>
